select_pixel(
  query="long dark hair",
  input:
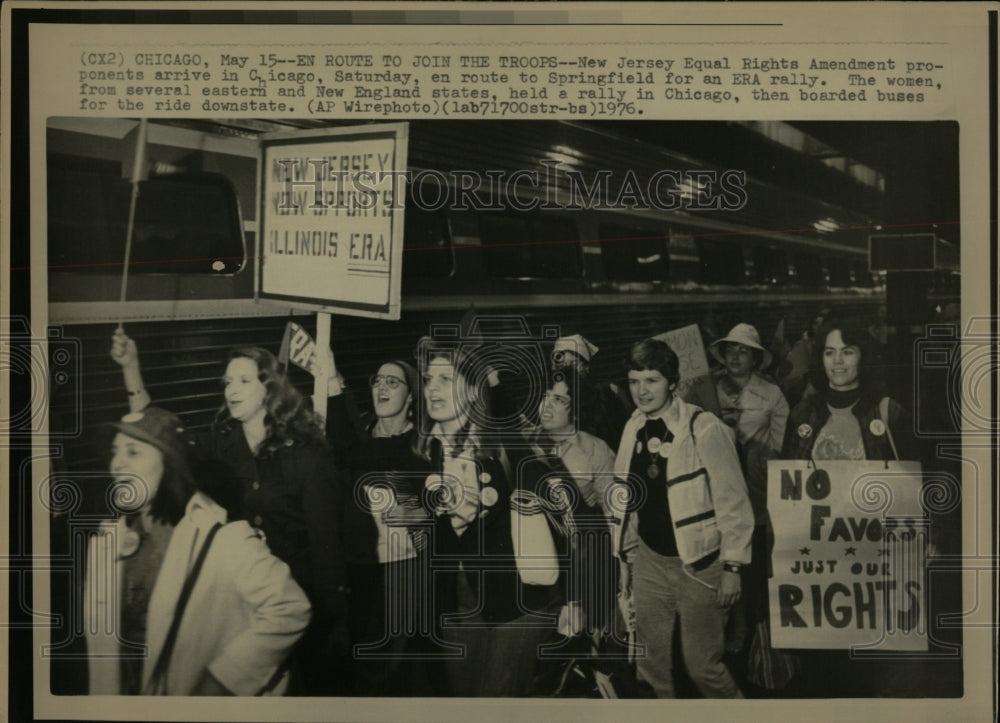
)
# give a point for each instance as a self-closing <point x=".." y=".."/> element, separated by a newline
<point x="176" y="485"/>
<point x="853" y="334"/>
<point x="171" y="498"/>
<point x="289" y="419"/>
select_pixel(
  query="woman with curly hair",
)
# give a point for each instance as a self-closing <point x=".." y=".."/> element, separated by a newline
<point x="851" y="418"/>
<point x="564" y="415"/>
<point x="288" y="488"/>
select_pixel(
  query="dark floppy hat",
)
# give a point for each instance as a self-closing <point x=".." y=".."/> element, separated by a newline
<point x="160" y="428"/>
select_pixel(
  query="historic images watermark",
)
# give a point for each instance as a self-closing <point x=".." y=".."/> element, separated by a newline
<point x="364" y="184"/>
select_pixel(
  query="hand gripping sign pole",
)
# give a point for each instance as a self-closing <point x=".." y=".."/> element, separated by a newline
<point x="137" y="172"/>
<point x="331" y="226"/>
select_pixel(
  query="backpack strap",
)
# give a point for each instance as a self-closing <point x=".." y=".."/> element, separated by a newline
<point x="691" y="429"/>
<point x="192" y="578"/>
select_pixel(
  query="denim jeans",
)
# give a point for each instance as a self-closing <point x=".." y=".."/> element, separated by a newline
<point x="499" y="660"/>
<point x="663" y="591"/>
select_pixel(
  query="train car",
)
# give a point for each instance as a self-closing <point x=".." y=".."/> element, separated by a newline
<point x="591" y="244"/>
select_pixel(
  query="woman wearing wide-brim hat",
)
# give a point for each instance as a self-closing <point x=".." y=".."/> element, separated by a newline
<point x="750" y="403"/>
<point x="757" y="411"/>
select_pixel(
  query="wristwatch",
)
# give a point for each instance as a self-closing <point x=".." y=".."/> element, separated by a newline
<point x="731" y="567"/>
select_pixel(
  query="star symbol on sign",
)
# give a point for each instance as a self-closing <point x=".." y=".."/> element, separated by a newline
<point x="850" y="550"/>
<point x="804" y="551"/>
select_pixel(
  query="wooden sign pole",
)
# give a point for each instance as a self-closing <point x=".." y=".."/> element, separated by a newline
<point x="320" y="380"/>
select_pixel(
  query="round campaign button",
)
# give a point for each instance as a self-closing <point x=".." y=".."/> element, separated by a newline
<point x="654" y="445"/>
<point x="877" y="427"/>
<point x="665" y="451"/>
<point x="485" y="478"/>
<point x="638" y="447"/>
<point x="489" y="496"/>
<point x="805" y="431"/>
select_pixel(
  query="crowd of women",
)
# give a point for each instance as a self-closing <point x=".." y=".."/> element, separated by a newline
<point x="449" y="546"/>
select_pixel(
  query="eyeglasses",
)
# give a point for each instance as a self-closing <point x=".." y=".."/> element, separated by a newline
<point x="390" y="381"/>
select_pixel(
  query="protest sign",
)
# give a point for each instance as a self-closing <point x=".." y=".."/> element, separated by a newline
<point x="332" y="219"/>
<point x="696" y="381"/>
<point x="848" y="555"/>
<point x="297" y="346"/>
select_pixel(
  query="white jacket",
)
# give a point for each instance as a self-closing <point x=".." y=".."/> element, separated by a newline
<point x="244" y="615"/>
<point x="709" y="506"/>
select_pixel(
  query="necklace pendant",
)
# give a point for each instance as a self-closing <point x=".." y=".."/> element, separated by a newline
<point x="653" y="471"/>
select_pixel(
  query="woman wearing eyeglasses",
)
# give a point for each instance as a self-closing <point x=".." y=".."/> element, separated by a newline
<point x="382" y="522"/>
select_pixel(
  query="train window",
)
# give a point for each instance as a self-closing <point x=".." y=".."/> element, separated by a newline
<point x="526" y="246"/>
<point x="427" y="249"/>
<point x="633" y="254"/>
<point x="721" y="261"/>
<point x="770" y="265"/>
<point x="184" y="223"/>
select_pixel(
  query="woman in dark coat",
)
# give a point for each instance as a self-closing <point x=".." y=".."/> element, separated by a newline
<point x="385" y="532"/>
<point x="289" y="489"/>
<point x="481" y="473"/>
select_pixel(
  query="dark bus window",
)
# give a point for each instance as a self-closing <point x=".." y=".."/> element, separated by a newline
<point x="184" y="223"/>
<point x="633" y="254"/>
<point x="684" y="262"/>
<point x="506" y="244"/>
<point x="556" y="247"/>
<point x="188" y="223"/>
<point x="721" y="262"/>
<point x="809" y="270"/>
<point x="840" y="272"/>
<point x="770" y="265"/>
<point x="862" y="276"/>
<point x="86" y="231"/>
<point x="426" y="243"/>
<point x="529" y="246"/>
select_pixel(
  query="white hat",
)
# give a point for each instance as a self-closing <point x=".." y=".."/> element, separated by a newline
<point x="576" y="344"/>
<point x="746" y="335"/>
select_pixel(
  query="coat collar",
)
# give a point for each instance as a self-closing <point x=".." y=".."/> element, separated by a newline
<point x="677" y="417"/>
<point x="203" y="511"/>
